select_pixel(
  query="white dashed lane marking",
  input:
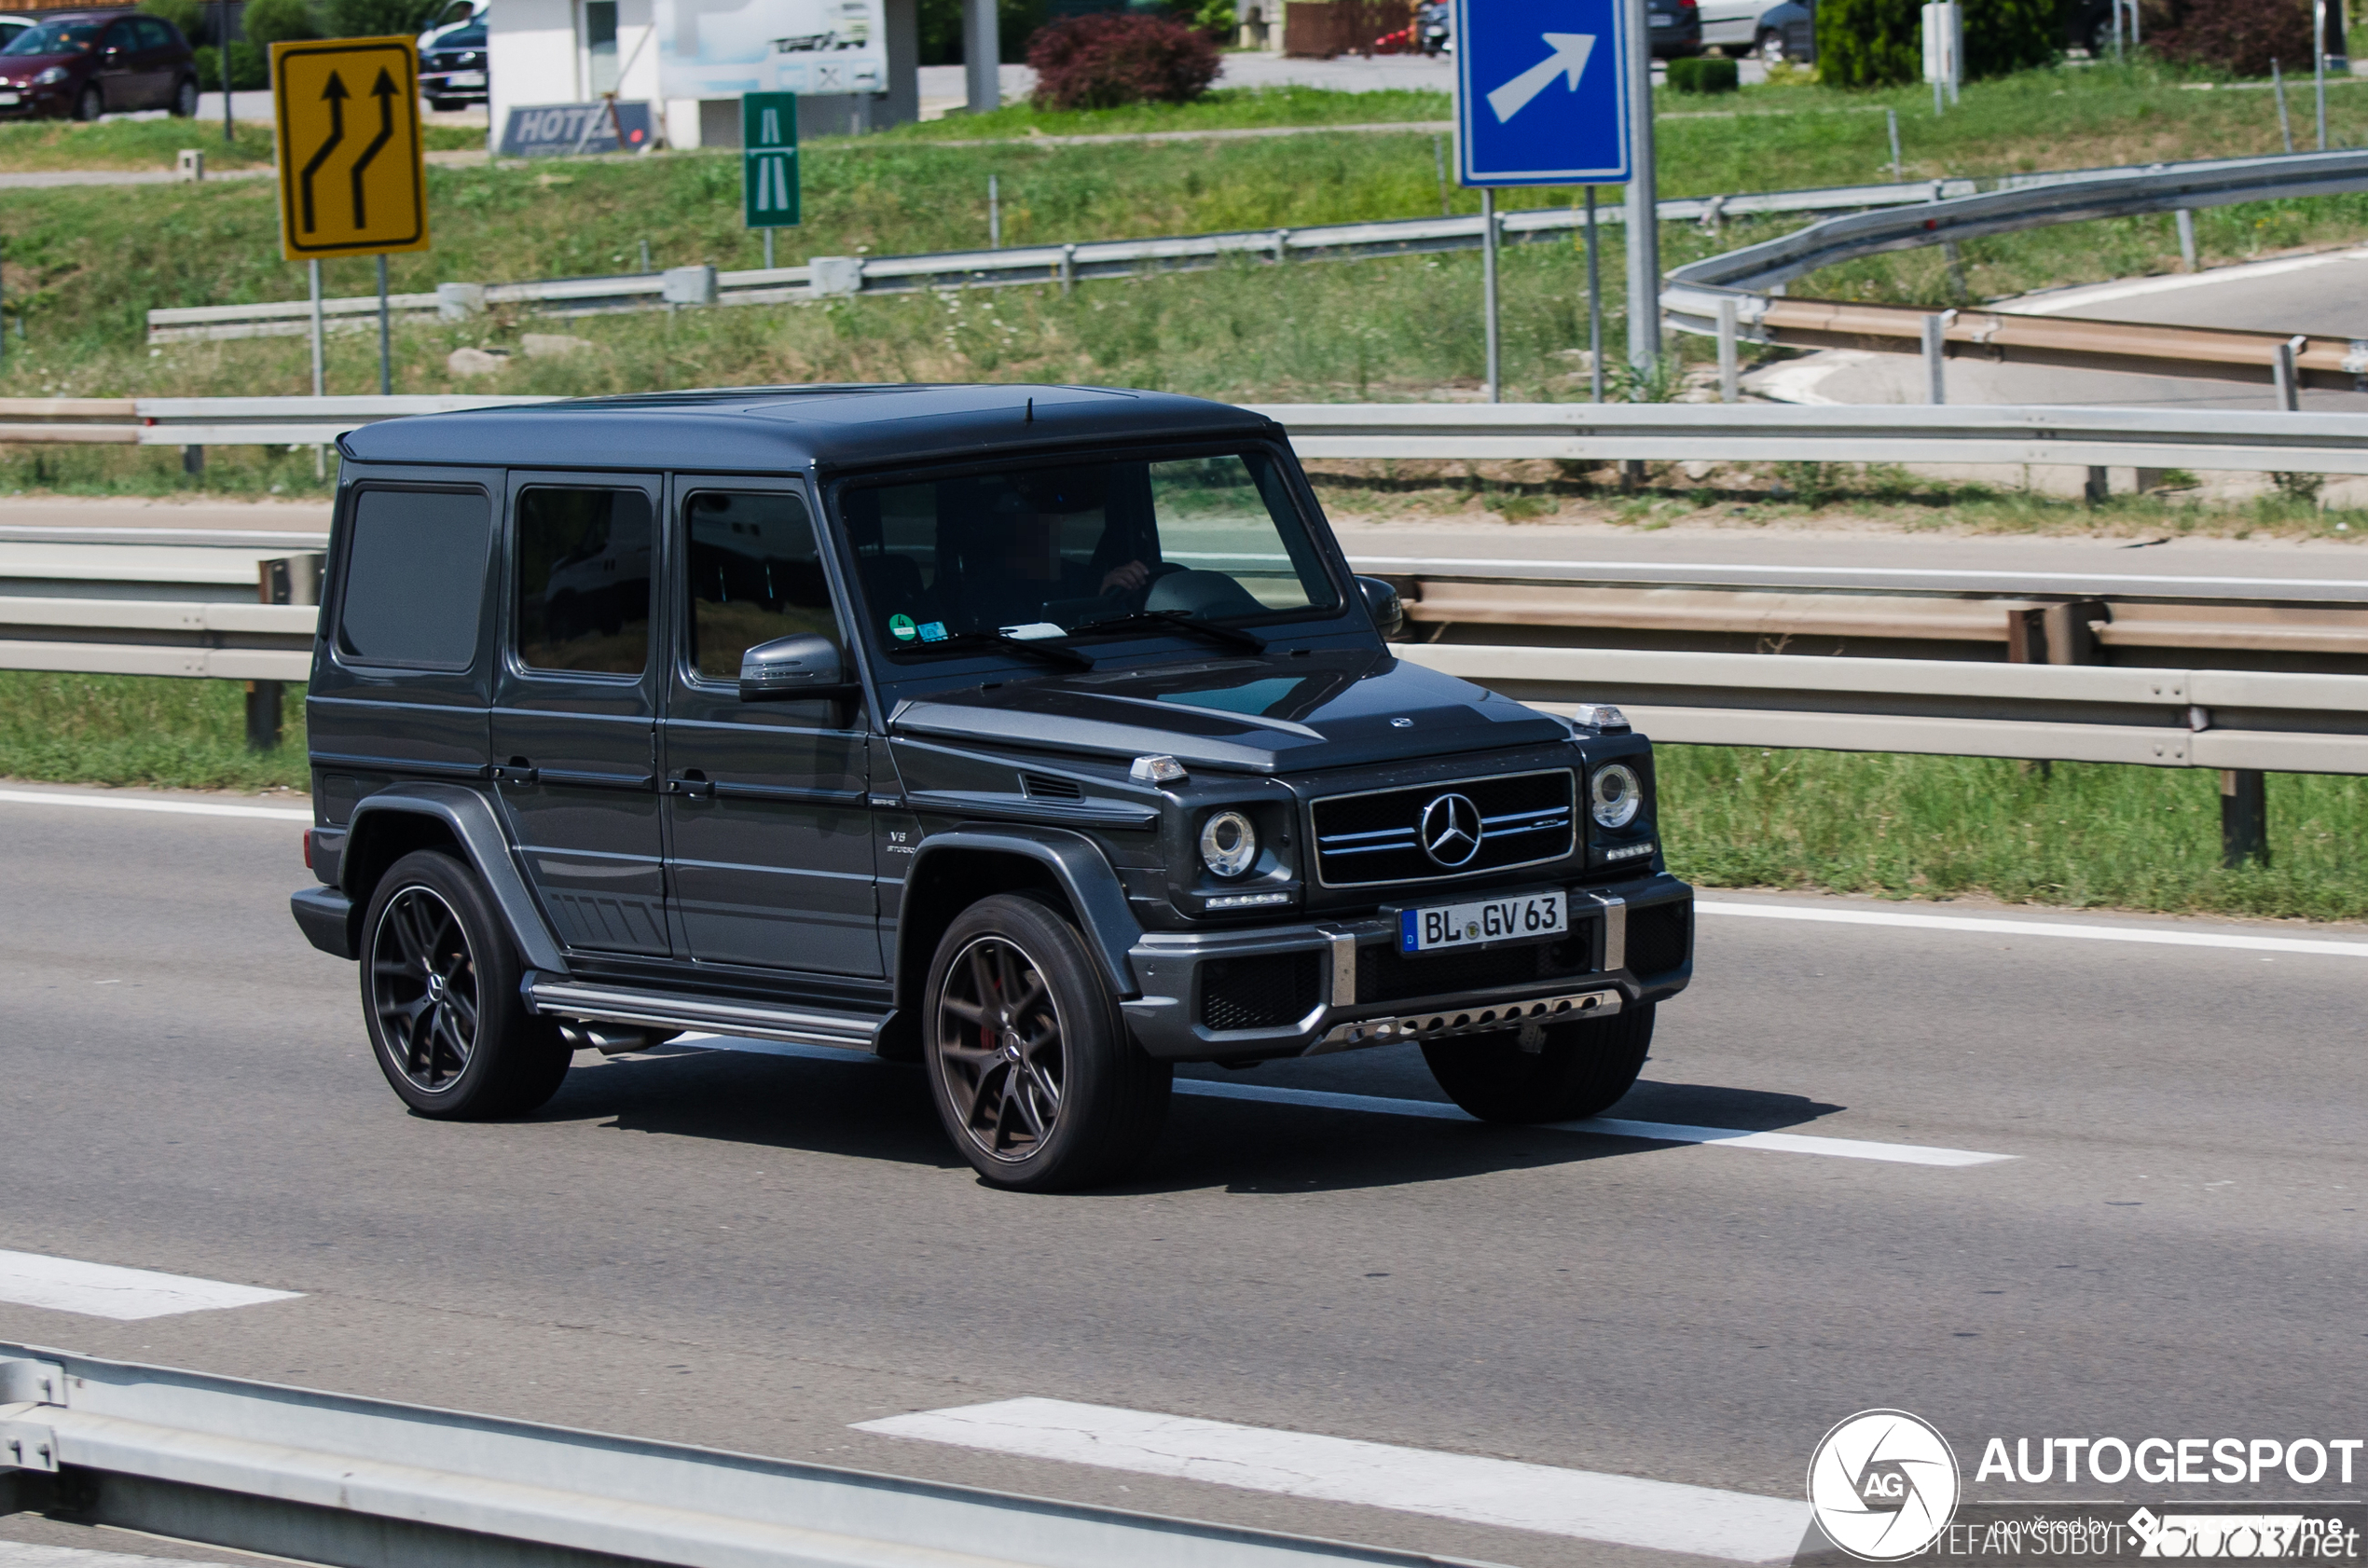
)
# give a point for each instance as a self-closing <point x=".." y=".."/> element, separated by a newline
<point x="104" y="1290"/>
<point x="2058" y="931"/>
<point x="1625" y="1510"/>
<point x="175" y="809"/>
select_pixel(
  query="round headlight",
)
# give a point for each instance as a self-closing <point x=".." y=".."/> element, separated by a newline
<point x="1616" y="795"/>
<point x="1228" y="843"/>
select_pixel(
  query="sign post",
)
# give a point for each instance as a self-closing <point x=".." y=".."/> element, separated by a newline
<point x="768" y="164"/>
<point x="1546" y="96"/>
<point x="353" y="178"/>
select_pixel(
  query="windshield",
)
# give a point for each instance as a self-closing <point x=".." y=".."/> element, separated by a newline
<point x="1044" y="553"/>
<point x="56" y="37"/>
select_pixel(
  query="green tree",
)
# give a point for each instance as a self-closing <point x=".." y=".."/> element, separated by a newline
<point x="1015" y="21"/>
<point x="187" y="15"/>
<point x="1880" y="43"/>
<point x="280" y="21"/>
<point x="375" y="18"/>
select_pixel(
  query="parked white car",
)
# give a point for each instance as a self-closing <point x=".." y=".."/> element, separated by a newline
<point x="1733" y="26"/>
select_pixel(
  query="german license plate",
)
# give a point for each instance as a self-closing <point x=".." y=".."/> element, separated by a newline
<point x="1663" y="19"/>
<point x="1528" y="917"/>
<point x="465" y="79"/>
<point x="10" y="101"/>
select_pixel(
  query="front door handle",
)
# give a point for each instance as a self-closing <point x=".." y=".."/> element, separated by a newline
<point x="690" y="782"/>
<point x="516" y="771"/>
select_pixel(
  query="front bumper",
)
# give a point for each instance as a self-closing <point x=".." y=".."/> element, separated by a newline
<point x="1181" y="1015"/>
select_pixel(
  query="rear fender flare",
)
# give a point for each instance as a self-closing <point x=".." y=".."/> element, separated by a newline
<point x="469" y="817"/>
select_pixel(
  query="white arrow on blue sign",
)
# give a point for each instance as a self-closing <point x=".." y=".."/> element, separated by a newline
<point x="1541" y="92"/>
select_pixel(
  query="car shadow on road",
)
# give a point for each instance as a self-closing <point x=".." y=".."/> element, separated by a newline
<point x="863" y="1109"/>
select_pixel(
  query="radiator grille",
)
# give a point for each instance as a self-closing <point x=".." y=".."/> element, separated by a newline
<point x="1525" y="819"/>
<point x="1266" y="992"/>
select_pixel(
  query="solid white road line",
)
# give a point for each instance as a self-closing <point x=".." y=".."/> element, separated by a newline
<point x="1606" y="1126"/>
<point x="1585" y="1503"/>
<point x="178" y="808"/>
<point x="103" y="1290"/>
<point x="1414" y="565"/>
<point x="1439" y="1110"/>
<point x="2161" y="935"/>
<point x="26" y="1554"/>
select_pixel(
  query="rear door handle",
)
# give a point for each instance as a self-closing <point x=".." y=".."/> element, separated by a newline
<point x="692" y="783"/>
<point x="516" y="771"/>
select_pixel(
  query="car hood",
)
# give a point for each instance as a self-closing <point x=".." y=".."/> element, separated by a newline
<point x="1271" y="713"/>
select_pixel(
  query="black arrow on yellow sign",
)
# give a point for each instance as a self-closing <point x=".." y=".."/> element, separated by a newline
<point x="334" y="97"/>
<point x="384" y="92"/>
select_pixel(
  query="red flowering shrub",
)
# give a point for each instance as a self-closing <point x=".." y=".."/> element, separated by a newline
<point x="1107" y="59"/>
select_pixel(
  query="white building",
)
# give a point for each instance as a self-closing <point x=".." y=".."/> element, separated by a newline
<point x="571" y="52"/>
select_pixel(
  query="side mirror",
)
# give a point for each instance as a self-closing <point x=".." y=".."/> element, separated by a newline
<point x="1383" y="603"/>
<point x="790" y="667"/>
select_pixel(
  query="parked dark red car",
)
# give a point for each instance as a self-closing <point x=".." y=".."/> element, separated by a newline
<point x="96" y="63"/>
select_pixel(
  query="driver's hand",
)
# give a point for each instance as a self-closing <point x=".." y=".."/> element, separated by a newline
<point x="1125" y="579"/>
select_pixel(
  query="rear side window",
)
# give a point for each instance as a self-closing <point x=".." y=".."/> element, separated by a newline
<point x="415" y="578"/>
<point x="755" y="575"/>
<point x="153" y="35"/>
<point x="583" y="580"/>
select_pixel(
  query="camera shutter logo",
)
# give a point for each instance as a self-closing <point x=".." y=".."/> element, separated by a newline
<point x="1883" y="1485"/>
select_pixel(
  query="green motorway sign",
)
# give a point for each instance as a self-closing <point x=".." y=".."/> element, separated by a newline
<point x="768" y="159"/>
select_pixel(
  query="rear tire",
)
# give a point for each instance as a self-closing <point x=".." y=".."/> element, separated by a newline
<point x="1580" y="1069"/>
<point x="440" y="994"/>
<point x="89" y="105"/>
<point x="1030" y="1065"/>
<point x="185" y="99"/>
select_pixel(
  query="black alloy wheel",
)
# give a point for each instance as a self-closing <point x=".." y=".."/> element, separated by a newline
<point x="1031" y="1066"/>
<point x="423" y="988"/>
<point x="1002" y="1049"/>
<point x="1771" y="46"/>
<point x="440" y="995"/>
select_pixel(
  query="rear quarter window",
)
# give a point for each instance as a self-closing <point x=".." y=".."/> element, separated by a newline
<point x="415" y="578"/>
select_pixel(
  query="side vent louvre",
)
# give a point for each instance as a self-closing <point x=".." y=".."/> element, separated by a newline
<point x="1038" y="786"/>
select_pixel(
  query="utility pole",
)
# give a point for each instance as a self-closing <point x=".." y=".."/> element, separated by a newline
<point x="1644" y="202"/>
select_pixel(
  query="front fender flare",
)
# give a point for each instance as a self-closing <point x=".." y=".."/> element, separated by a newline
<point x="470" y="818"/>
<point x="1082" y="872"/>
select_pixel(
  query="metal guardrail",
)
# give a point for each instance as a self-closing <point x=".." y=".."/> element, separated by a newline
<point x="2158" y="718"/>
<point x="1744" y="287"/>
<point x="1018" y="265"/>
<point x="2215" y="439"/>
<point x="330" y="1477"/>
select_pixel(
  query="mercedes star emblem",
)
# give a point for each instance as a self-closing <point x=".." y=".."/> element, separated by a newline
<point x="1450" y="830"/>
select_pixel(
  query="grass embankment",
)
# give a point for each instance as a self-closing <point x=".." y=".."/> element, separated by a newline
<point x="2082" y="835"/>
<point x="2079" y="835"/>
<point x="34" y="146"/>
<point x="86" y="265"/>
<point x="125" y="729"/>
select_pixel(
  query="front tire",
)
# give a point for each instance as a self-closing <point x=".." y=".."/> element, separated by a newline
<point x="440" y="993"/>
<point x="185" y="99"/>
<point x="91" y="105"/>
<point x="1030" y="1065"/>
<point x="1578" y="1070"/>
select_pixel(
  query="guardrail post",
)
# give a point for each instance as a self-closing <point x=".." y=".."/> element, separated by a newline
<point x="193" y="462"/>
<point x="2098" y="487"/>
<point x="1729" y="387"/>
<point x="2282" y="370"/>
<point x="2244" y="816"/>
<point x="2187" y="237"/>
<point x="2055" y="634"/>
<point x="1936" y="360"/>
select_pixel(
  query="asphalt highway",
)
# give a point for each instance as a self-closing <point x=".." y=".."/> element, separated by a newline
<point x="760" y="1252"/>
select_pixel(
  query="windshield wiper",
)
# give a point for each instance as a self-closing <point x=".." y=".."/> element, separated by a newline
<point x="1051" y="652"/>
<point x="1179" y="620"/>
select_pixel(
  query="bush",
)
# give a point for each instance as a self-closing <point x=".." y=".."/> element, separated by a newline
<point x="249" y="71"/>
<point x="280" y="21"/>
<point x="2238" y="36"/>
<point x="376" y="19"/>
<point x="1109" y="59"/>
<point x="1703" y="75"/>
<point x="1880" y="43"/>
<point x="187" y="15"/>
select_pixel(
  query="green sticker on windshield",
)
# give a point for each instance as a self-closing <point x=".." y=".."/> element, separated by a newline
<point x="900" y="627"/>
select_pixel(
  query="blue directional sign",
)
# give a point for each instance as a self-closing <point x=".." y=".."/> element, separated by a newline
<point x="1541" y="92"/>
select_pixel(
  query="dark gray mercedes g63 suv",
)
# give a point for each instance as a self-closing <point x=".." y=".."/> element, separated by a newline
<point x="1039" y="735"/>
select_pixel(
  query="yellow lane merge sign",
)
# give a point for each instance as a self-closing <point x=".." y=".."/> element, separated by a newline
<point x="351" y="177"/>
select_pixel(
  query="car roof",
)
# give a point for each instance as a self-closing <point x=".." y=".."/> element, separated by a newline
<point x="779" y="427"/>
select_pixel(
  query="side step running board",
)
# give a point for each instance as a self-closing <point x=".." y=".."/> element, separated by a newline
<point x="611" y="1004"/>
